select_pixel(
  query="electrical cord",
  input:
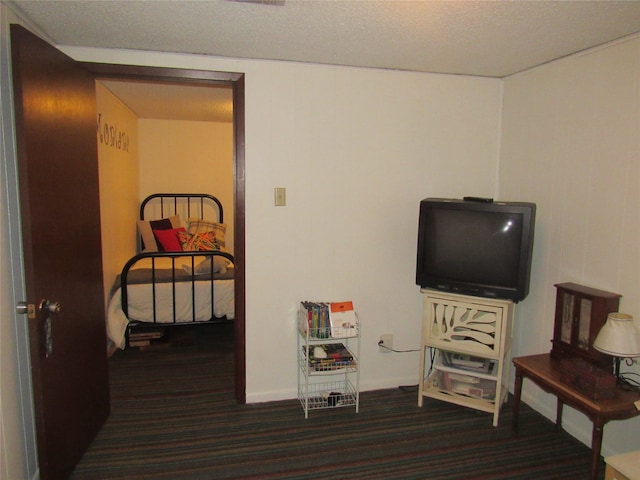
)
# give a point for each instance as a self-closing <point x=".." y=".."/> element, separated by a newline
<point x="411" y="388"/>
<point x="628" y="383"/>
<point x="382" y="345"/>
<point x="406" y="388"/>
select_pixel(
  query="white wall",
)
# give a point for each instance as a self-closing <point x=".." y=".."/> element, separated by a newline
<point x="571" y="144"/>
<point x="356" y="149"/>
<point x="118" y="168"/>
<point x="182" y="156"/>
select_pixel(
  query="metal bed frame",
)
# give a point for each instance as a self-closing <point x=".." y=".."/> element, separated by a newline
<point x="187" y="205"/>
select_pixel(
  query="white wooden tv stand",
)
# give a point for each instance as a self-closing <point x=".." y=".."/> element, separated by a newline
<point x="465" y="350"/>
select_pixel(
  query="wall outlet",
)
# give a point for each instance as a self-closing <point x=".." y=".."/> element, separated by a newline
<point x="386" y="339"/>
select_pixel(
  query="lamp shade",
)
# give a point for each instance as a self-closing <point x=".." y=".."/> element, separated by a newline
<point x="619" y="336"/>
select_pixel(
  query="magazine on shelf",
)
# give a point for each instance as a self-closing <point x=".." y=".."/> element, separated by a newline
<point x="342" y="318"/>
<point x="333" y="356"/>
<point x="484" y="389"/>
<point x="459" y="377"/>
<point x="332" y="352"/>
<point x="465" y="362"/>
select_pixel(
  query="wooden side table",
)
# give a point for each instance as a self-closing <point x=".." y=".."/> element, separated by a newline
<point x="544" y="371"/>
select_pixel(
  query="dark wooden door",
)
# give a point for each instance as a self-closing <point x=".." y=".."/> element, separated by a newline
<point x="55" y="109"/>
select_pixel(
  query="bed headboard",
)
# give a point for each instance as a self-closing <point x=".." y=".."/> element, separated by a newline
<point x="177" y="208"/>
<point x="200" y="205"/>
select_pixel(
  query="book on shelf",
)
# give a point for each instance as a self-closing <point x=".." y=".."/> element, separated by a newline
<point x="342" y="318"/>
<point x="329" y="319"/>
<point x="317" y="317"/>
<point x="444" y="382"/>
<point x="146" y="335"/>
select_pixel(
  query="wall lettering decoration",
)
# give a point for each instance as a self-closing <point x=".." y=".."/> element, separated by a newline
<point x="112" y="136"/>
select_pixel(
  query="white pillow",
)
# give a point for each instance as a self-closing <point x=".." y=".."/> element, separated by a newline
<point x="220" y="265"/>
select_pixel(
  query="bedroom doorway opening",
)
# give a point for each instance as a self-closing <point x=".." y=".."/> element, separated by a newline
<point x="170" y="102"/>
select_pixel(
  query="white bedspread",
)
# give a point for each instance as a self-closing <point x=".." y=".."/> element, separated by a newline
<point x="140" y="300"/>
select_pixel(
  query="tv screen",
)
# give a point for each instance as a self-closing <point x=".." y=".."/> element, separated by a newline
<point x="475" y="248"/>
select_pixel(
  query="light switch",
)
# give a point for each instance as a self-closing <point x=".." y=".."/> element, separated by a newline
<point x="280" y="194"/>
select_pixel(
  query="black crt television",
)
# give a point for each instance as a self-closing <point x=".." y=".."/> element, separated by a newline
<point x="478" y="248"/>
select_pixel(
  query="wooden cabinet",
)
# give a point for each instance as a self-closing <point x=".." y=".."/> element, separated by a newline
<point x="580" y="314"/>
<point x="469" y="339"/>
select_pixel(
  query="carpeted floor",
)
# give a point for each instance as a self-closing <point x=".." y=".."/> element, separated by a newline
<point x="174" y="416"/>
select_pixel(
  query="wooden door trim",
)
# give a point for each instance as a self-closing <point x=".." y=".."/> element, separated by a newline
<point x="236" y="80"/>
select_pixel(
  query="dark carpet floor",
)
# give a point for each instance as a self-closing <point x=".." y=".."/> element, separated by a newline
<point x="174" y="416"/>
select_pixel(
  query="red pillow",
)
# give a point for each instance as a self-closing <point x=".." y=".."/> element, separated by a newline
<point x="168" y="239"/>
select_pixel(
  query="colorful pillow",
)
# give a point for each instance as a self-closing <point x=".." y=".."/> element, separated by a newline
<point x="146" y="228"/>
<point x="198" y="225"/>
<point x="198" y="242"/>
<point x="168" y="240"/>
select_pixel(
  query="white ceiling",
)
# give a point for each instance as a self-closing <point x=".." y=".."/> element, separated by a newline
<point x="482" y="38"/>
<point x="175" y="102"/>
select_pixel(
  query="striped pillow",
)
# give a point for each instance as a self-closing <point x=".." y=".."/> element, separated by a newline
<point x="198" y="242"/>
<point x="197" y="225"/>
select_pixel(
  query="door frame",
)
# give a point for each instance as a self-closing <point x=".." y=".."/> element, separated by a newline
<point x="103" y="71"/>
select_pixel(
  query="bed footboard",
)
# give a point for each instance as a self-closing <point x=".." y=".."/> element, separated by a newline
<point x="177" y="288"/>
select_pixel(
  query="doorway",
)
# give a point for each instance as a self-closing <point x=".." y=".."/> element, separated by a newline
<point x="234" y="81"/>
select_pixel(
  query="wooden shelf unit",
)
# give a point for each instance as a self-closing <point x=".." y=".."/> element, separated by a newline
<point x="467" y="326"/>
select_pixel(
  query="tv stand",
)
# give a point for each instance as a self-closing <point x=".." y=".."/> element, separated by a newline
<point x="471" y="338"/>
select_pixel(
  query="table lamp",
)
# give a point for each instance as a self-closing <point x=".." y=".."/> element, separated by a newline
<point x="620" y="338"/>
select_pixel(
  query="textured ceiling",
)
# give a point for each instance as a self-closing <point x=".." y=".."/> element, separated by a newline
<point x="488" y="38"/>
<point x="482" y="38"/>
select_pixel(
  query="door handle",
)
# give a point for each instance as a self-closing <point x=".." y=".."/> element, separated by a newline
<point x="51" y="307"/>
<point x="24" y="308"/>
<point x="29" y="309"/>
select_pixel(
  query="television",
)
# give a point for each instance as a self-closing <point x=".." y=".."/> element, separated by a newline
<point x="475" y="247"/>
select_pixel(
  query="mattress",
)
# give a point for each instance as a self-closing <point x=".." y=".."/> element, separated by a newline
<point x="189" y="296"/>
